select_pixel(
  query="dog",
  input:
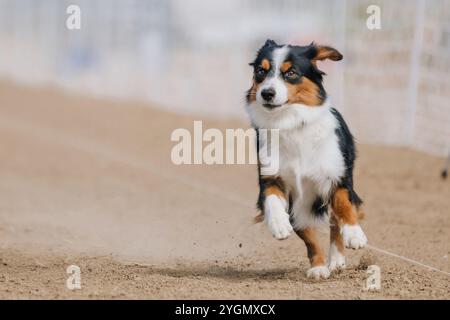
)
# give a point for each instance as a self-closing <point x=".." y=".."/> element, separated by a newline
<point x="314" y="183"/>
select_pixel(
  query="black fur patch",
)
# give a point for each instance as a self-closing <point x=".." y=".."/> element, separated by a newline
<point x="319" y="207"/>
<point x="265" y="52"/>
<point x="348" y="150"/>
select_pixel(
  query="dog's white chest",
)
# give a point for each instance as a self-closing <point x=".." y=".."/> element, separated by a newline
<point x="311" y="155"/>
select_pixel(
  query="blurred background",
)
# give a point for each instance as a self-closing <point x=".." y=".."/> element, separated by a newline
<point x="191" y="56"/>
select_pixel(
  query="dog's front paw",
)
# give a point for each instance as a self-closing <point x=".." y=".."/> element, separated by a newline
<point x="319" y="272"/>
<point x="336" y="260"/>
<point x="279" y="225"/>
<point x="353" y="236"/>
<point x="276" y="217"/>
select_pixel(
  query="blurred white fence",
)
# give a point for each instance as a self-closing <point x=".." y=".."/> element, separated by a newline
<point x="192" y="56"/>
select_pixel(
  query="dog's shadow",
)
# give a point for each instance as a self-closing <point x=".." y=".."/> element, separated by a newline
<point x="231" y="273"/>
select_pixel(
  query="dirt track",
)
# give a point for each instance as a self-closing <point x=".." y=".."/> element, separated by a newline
<point x="90" y="183"/>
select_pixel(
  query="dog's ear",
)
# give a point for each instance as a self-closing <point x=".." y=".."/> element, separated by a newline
<point x="318" y="52"/>
<point x="268" y="43"/>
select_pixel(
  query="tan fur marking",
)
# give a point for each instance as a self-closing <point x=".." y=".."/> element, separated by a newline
<point x="265" y="64"/>
<point x="286" y="66"/>
<point x="361" y="213"/>
<point x="325" y="52"/>
<point x="259" y="218"/>
<point x="252" y="92"/>
<point x="342" y="208"/>
<point x="315" y="253"/>
<point x="305" y="92"/>
<point x="274" y="191"/>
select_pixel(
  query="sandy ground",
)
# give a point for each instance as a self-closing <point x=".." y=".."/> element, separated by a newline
<point x="90" y="183"/>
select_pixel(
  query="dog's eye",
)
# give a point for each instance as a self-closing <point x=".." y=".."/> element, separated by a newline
<point x="260" y="72"/>
<point x="290" y="74"/>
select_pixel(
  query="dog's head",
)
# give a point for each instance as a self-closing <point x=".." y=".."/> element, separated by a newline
<point x="285" y="75"/>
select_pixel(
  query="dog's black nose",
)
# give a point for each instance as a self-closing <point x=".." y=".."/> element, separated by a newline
<point x="268" y="94"/>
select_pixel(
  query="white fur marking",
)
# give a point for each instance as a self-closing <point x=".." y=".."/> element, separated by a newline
<point x="274" y="81"/>
<point x="319" y="272"/>
<point x="353" y="236"/>
<point x="276" y="217"/>
<point x="336" y="260"/>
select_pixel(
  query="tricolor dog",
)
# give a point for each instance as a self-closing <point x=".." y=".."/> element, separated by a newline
<point x="314" y="183"/>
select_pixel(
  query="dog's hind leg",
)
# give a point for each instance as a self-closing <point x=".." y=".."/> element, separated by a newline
<point x="336" y="258"/>
<point x="315" y="254"/>
<point x="345" y="228"/>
